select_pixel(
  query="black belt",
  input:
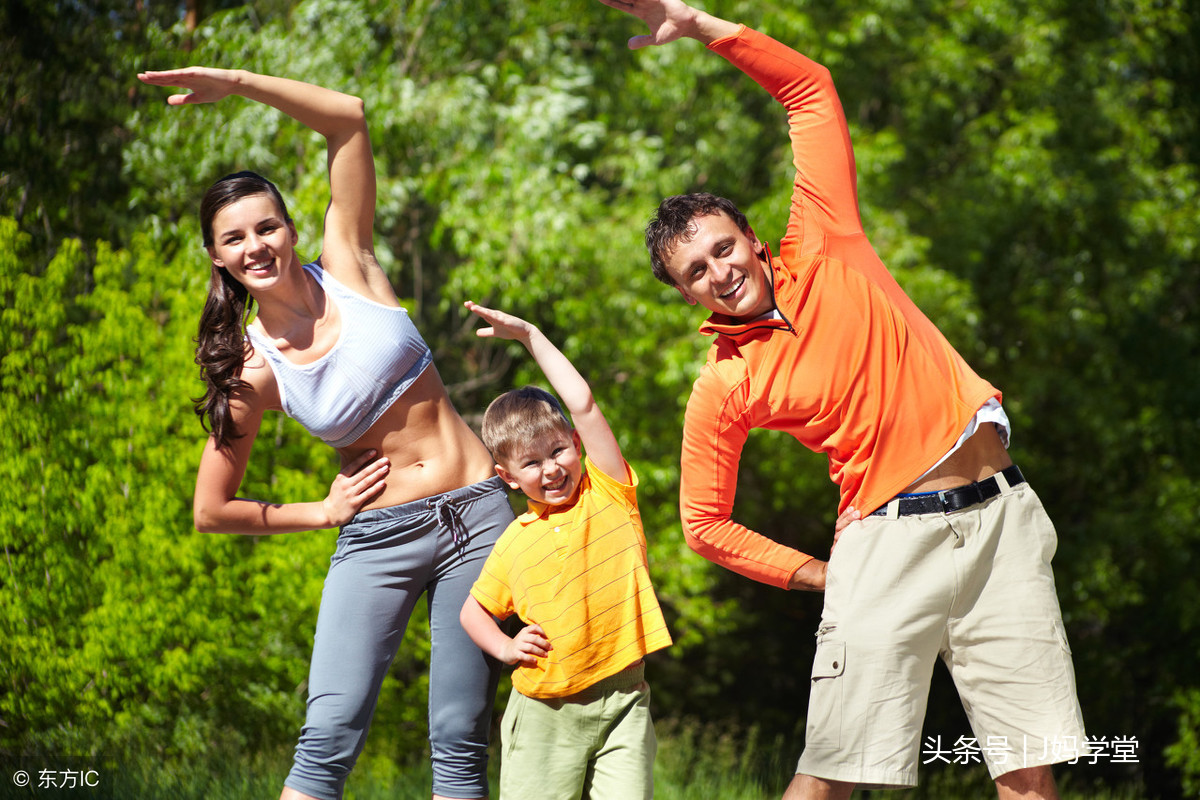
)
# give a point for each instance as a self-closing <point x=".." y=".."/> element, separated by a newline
<point x="955" y="499"/>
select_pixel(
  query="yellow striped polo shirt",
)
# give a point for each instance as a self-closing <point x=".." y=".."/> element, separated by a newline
<point x="578" y="570"/>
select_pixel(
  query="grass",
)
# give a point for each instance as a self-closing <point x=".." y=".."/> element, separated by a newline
<point x="696" y="761"/>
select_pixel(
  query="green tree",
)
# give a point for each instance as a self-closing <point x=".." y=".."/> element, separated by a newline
<point x="1028" y="171"/>
<point x="64" y="70"/>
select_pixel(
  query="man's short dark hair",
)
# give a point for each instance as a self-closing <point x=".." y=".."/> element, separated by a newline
<point x="672" y="224"/>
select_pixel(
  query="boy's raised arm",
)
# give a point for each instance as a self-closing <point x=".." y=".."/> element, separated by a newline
<point x="598" y="439"/>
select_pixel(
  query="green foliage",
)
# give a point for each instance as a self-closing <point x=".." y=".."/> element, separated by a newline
<point x="62" y="112"/>
<point x="1028" y="171"/>
<point x="1184" y="754"/>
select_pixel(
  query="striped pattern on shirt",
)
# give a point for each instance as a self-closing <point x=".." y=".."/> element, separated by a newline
<point x="578" y="570"/>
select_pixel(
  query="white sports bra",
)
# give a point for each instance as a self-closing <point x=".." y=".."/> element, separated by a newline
<point x="378" y="355"/>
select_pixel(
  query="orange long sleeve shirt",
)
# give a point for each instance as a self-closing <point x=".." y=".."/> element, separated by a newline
<point x="852" y="370"/>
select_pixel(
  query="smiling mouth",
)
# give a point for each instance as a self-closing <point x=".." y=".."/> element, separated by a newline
<point x="558" y="485"/>
<point x="725" y="295"/>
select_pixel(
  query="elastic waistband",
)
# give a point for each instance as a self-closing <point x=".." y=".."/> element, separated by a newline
<point x="424" y="505"/>
<point x="630" y="676"/>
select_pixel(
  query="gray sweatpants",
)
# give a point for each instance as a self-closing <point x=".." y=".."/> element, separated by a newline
<point x="385" y="559"/>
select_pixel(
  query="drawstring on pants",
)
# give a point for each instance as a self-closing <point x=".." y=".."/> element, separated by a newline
<point x="449" y="519"/>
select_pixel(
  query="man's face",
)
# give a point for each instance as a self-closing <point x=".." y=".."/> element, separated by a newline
<point x="721" y="268"/>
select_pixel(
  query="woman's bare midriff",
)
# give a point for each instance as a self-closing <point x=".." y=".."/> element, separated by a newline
<point x="980" y="456"/>
<point x="430" y="447"/>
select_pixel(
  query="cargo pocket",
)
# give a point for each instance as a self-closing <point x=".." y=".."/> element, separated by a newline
<point x="823" y="728"/>
<point x="830" y="661"/>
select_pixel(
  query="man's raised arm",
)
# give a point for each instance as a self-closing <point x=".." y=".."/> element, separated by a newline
<point x="669" y="20"/>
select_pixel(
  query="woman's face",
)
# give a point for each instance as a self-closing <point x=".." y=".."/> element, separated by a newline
<point x="253" y="241"/>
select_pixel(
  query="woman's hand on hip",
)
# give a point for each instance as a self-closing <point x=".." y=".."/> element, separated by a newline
<point x="358" y="483"/>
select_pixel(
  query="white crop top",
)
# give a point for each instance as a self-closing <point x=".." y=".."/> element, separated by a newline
<point x="378" y="355"/>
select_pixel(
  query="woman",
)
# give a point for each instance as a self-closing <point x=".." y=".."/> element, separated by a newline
<point x="417" y="499"/>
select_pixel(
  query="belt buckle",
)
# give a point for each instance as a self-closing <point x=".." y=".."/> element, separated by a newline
<point x="961" y="497"/>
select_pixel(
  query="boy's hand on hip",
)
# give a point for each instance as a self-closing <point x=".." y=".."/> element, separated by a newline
<point x="527" y="647"/>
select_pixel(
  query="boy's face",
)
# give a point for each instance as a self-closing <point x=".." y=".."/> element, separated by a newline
<point x="547" y="470"/>
<point x="721" y="268"/>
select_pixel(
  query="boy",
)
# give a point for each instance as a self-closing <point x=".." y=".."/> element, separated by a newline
<point x="573" y="568"/>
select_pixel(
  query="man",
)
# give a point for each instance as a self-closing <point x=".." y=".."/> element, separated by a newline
<point x="952" y="554"/>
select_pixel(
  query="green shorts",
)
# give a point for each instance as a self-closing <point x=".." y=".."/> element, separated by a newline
<point x="597" y="744"/>
<point x="973" y="587"/>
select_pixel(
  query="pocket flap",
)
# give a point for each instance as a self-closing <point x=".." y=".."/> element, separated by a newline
<point x="830" y="660"/>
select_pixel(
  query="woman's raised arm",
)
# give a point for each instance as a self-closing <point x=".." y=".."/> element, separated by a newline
<point x="348" y="250"/>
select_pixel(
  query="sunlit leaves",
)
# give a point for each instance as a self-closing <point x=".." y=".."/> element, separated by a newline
<point x="1027" y="170"/>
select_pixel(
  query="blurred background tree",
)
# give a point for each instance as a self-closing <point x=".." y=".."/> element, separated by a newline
<point x="1027" y="169"/>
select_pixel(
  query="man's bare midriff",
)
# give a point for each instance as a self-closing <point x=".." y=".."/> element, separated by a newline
<point x="979" y="457"/>
<point x="430" y="448"/>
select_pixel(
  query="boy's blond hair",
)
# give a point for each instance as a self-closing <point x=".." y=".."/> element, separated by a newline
<point x="520" y="416"/>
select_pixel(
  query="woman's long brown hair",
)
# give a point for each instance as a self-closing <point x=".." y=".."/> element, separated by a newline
<point x="221" y="344"/>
